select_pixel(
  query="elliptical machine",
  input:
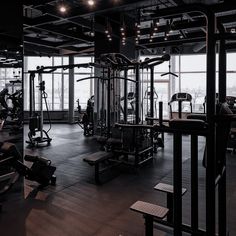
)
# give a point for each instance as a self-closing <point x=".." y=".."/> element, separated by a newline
<point x="36" y="119"/>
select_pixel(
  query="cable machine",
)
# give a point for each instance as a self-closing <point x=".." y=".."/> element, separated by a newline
<point x="37" y="135"/>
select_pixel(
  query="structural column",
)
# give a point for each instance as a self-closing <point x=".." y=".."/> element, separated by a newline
<point x="71" y="92"/>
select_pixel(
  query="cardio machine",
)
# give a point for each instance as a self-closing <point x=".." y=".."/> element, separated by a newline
<point x="180" y="98"/>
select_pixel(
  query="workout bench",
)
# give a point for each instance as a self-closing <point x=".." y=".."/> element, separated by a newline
<point x="149" y="211"/>
<point x="95" y="160"/>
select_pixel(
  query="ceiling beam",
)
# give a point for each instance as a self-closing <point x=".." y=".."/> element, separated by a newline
<point x="57" y="30"/>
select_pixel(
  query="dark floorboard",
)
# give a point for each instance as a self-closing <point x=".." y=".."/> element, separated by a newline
<point x="77" y="207"/>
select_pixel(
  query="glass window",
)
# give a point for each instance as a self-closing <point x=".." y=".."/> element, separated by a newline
<point x="81" y="60"/>
<point x="193" y="63"/>
<point x="82" y="91"/>
<point x="231" y="84"/>
<point x="195" y="84"/>
<point x="33" y="62"/>
<point x="57" y="101"/>
<point x="231" y="58"/>
<point x="66" y="92"/>
<point x="48" y="89"/>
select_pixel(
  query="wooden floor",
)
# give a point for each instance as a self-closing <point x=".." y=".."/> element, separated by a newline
<point x="77" y="207"/>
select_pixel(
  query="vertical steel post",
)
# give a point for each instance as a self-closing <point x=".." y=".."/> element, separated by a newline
<point x="177" y="184"/>
<point x="137" y="76"/>
<point x="152" y="93"/>
<point x="109" y="102"/>
<point x="31" y="94"/>
<point x="222" y="215"/>
<point x="40" y="80"/>
<point x="194" y="183"/>
<point x="125" y="94"/>
<point x="222" y="69"/>
<point x="210" y="139"/>
<point x="71" y="92"/>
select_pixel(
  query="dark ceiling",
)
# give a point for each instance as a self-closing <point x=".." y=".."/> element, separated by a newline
<point x="49" y="32"/>
<point x="11" y="34"/>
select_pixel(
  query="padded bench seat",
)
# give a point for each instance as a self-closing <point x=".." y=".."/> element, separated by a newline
<point x="95" y="159"/>
<point x="167" y="188"/>
<point x="149" y="211"/>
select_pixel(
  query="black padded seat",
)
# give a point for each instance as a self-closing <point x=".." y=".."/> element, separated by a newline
<point x="197" y="117"/>
<point x="114" y="141"/>
<point x="187" y="124"/>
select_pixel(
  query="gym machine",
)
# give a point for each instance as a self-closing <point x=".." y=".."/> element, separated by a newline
<point x="86" y="119"/>
<point x="180" y="98"/>
<point x="218" y="119"/>
<point x="11" y="167"/>
<point x="11" y="115"/>
<point x="36" y="120"/>
<point x="135" y="144"/>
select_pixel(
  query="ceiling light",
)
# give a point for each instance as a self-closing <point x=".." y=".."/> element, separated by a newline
<point x="63" y="8"/>
<point x="232" y="30"/>
<point x="165" y="38"/>
<point x="181" y="36"/>
<point x="106" y="31"/>
<point x="164" y="50"/>
<point x="138" y="31"/>
<point x="110" y="39"/>
<point x="122" y="28"/>
<point x="150" y="40"/>
<point x="91" y="2"/>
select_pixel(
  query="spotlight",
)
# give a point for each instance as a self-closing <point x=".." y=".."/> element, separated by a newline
<point x="63" y="8"/>
<point x="155" y="28"/>
<point x="123" y="33"/>
<point x="106" y="31"/>
<point x="138" y="31"/>
<point x="181" y="36"/>
<point x="157" y="23"/>
<point x="164" y="50"/>
<point x="150" y="40"/>
<point x="91" y="2"/>
<point x="137" y="25"/>
<point x="165" y="38"/>
<point x="122" y="28"/>
<point x="110" y="39"/>
<point x="136" y="41"/>
<point x="232" y="30"/>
